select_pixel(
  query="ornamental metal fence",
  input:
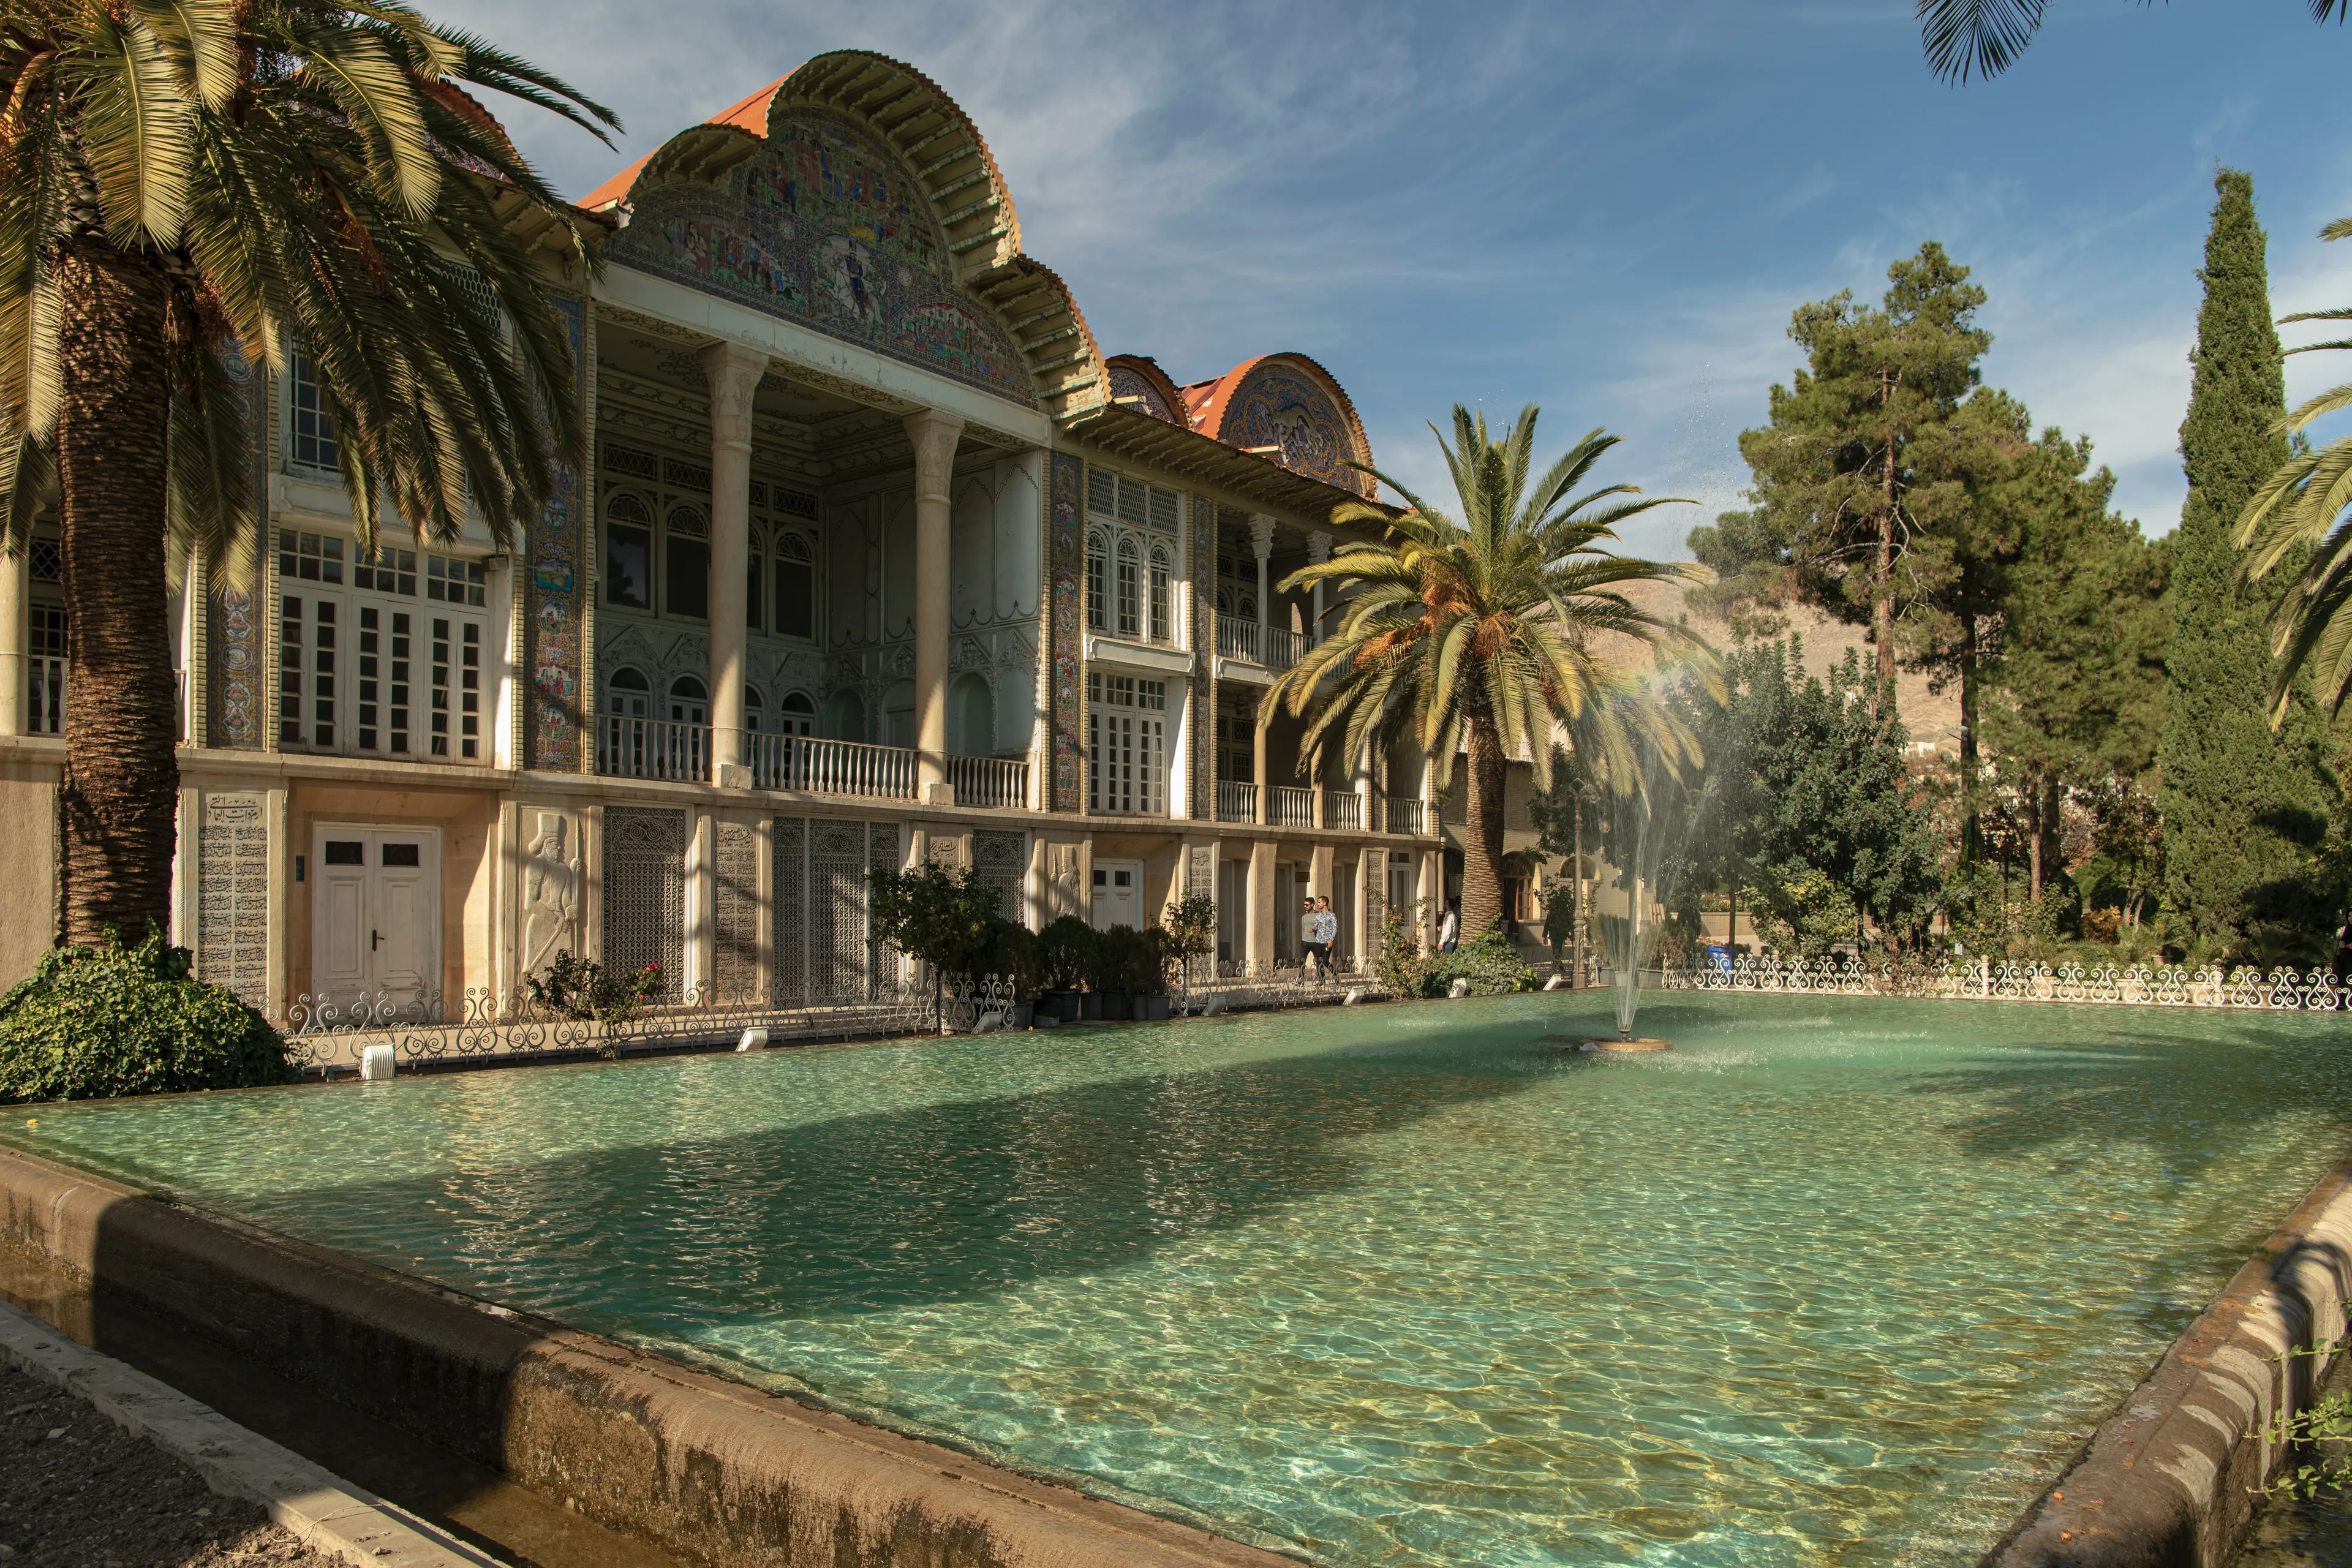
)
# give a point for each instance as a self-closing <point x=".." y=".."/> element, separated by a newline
<point x="1983" y="979"/>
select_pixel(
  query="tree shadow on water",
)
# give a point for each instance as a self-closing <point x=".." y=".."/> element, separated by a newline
<point x="902" y="1207"/>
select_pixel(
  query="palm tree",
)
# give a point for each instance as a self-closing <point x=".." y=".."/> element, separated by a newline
<point x="2299" y="511"/>
<point x="190" y="187"/>
<point x="1485" y="635"/>
<point x="1985" y="37"/>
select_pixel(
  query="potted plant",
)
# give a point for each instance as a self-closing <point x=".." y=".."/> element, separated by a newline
<point x="1148" y="981"/>
<point x="1065" y="959"/>
<point x="937" y="914"/>
<point x="1114" y="973"/>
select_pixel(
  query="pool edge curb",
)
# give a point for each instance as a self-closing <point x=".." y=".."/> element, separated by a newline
<point x="2169" y="1478"/>
<point x="718" y="1471"/>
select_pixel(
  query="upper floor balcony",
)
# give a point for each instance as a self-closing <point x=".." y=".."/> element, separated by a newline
<point x="1248" y="648"/>
<point x="638" y="748"/>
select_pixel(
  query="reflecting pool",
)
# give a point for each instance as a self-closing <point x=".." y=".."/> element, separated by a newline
<point x="1836" y="1280"/>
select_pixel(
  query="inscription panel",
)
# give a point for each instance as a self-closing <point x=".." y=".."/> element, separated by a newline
<point x="233" y="895"/>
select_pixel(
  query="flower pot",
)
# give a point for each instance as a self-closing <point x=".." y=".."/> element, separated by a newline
<point x="1090" y="1008"/>
<point x="1152" y="1009"/>
<point x="1062" y="1007"/>
<point x="1018" y="1015"/>
<point x="1118" y="1008"/>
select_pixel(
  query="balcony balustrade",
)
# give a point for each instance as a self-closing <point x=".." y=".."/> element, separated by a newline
<point x="997" y="782"/>
<point x="1291" y="807"/>
<point x="1343" y="808"/>
<point x="812" y="766"/>
<point x="1236" y="802"/>
<point x="630" y="748"/>
<point x="1273" y="649"/>
<point x="1408" y="817"/>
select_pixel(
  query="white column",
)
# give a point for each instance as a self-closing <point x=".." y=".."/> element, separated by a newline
<point x="934" y="434"/>
<point x="15" y="573"/>
<point x="1262" y="541"/>
<point x="734" y="374"/>
<point x="1364" y="794"/>
<point x="1318" y="553"/>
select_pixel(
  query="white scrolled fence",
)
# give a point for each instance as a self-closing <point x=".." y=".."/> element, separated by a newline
<point x="2277" y="990"/>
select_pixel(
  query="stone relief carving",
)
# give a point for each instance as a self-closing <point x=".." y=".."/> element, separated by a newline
<point x="551" y="891"/>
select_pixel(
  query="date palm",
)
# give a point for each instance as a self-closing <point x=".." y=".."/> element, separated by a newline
<point x="1485" y="635"/>
<point x="188" y="189"/>
<point x="1984" y="37"/>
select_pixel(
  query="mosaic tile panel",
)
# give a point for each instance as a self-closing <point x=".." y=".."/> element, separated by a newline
<point x="233" y="895"/>
<point x="735" y="910"/>
<point x="827" y="229"/>
<point x="1066" y="552"/>
<point x="235" y="623"/>
<point x="1201" y="768"/>
<point x="644" y="883"/>
<point x="1278" y="405"/>
<point x="556" y="724"/>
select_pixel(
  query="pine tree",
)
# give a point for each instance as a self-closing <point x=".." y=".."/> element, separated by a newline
<point x="2243" y="806"/>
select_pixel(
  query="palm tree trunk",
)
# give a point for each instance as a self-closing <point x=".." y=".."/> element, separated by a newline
<point x="121" y="780"/>
<point x="1482" y="848"/>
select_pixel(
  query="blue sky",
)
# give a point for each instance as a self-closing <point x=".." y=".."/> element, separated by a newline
<point x="1607" y="209"/>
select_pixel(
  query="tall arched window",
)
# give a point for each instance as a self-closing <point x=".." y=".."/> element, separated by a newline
<point x="685" y="563"/>
<point x="1097" y="581"/>
<point x="1130" y="590"/>
<point x="845" y="717"/>
<point x="971" y="716"/>
<point x="689" y="700"/>
<point x="797" y="714"/>
<point x="795" y="588"/>
<point x="628" y="552"/>
<point x="752" y="709"/>
<point x="1164" y="626"/>
<point x="627" y="693"/>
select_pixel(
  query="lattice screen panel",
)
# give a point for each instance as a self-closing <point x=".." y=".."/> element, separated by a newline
<point x="644" y="888"/>
<point x="882" y="854"/>
<point x="788" y="878"/>
<point x="1001" y="860"/>
<point x="735" y="910"/>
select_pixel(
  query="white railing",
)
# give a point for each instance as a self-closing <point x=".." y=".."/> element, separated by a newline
<point x="44" y="705"/>
<point x="1236" y="802"/>
<point x="2279" y="990"/>
<point x="1291" y="807"/>
<point x="813" y="766"/>
<point x="1276" y="648"/>
<point x="989" y="781"/>
<point x="652" y="749"/>
<point x="1343" y="808"/>
<point x="1408" y="817"/>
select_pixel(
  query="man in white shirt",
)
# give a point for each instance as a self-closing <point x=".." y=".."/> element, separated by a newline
<point x="1449" y="930"/>
<point x="1323" y="926"/>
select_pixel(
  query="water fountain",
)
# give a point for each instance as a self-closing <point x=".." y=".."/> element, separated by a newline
<point x="1643" y="825"/>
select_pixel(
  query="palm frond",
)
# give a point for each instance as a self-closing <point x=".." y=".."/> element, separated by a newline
<point x="1982" y="37"/>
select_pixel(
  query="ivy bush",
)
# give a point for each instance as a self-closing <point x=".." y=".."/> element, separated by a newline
<point x="91" y="1023"/>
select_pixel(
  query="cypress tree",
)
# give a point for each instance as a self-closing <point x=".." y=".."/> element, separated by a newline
<point x="2242" y="804"/>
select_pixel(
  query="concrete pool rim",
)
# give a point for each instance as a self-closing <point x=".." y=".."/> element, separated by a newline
<point x="715" y="1470"/>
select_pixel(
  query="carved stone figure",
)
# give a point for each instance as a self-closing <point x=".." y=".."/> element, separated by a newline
<point x="551" y="893"/>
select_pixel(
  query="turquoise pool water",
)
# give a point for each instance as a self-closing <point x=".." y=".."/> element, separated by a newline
<point x="1836" y="1282"/>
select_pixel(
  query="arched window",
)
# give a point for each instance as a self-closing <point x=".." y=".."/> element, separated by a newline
<point x="1130" y="591"/>
<point x="627" y="693"/>
<point x="689" y="700"/>
<point x="845" y="717"/>
<point x="898" y="714"/>
<point x="628" y="552"/>
<point x="795" y="588"/>
<point x="752" y="708"/>
<point x="1164" y="626"/>
<point x="971" y="716"/>
<point x="1097" y="581"/>
<point x="798" y="716"/>
<point x="686" y="562"/>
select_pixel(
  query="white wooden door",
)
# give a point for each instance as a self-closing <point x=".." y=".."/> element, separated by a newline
<point x="375" y="921"/>
<point x="1119" y="894"/>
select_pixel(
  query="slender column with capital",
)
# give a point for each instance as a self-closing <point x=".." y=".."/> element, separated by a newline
<point x="1319" y="551"/>
<point x="1262" y="541"/>
<point x="733" y="373"/>
<point x="1257" y="771"/>
<point x="14" y="573"/>
<point x="934" y="436"/>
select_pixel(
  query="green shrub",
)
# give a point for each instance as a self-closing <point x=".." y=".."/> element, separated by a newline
<point x="95" y="1022"/>
<point x="1065" y="951"/>
<point x="1491" y="962"/>
<point x="1011" y="952"/>
<point x="583" y="989"/>
<point x="1125" y="961"/>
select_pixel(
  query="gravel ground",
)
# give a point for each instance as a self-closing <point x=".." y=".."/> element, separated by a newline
<point x="77" y="1491"/>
